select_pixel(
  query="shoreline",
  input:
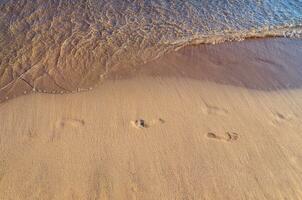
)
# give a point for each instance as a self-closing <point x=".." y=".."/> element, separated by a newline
<point x="214" y="63"/>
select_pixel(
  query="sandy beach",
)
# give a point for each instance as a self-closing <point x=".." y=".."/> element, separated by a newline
<point x="205" y="122"/>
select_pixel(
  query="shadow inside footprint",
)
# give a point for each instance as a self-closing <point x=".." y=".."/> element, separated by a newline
<point x="212" y="135"/>
<point x="161" y="120"/>
<point x="140" y="123"/>
<point x="231" y="136"/>
<point x="279" y="118"/>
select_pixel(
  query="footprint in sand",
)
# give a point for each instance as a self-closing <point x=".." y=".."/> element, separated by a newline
<point x="66" y="123"/>
<point x="227" y="137"/>
<point x="70" y="122"/>
<point x="141" y="123"/>
<point x="279" y="118"/>
<point x="214" y="110"/>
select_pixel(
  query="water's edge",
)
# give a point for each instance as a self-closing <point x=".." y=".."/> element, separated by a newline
<point x="67" y="46"/>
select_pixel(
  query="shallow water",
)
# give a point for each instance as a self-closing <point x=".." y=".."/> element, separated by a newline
<point x="62" y="46"/>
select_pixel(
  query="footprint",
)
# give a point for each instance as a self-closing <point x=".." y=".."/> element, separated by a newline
<point x="227" y="137"/>
<point x="141" y="123"/>
<point x="65" y="123"/>
<point x="70" y="122"/>
<point x="231" y="136"/>
<point x="281" y="118"/>
<point x="213" y="135"/>
<point x="214" y="110"/>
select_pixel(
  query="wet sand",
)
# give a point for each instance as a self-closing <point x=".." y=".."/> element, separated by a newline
<point x="219" y="122"/>
<point x="260" y="64"/>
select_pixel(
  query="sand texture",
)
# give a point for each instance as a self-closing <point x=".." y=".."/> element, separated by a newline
<point x="205" y="122"/>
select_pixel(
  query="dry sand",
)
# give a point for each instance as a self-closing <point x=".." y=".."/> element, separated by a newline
<point x="219" y="122"/>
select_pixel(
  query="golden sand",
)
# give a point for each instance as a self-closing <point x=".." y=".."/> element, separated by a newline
<point x="206" y="122"/>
